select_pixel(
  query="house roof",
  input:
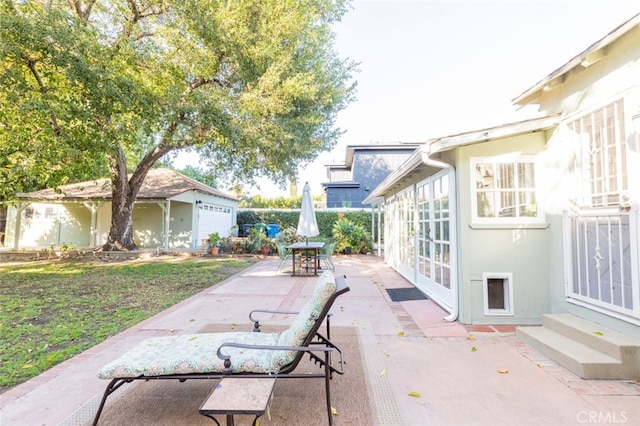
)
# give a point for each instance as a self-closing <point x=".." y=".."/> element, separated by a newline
<point x="351" y="149"/>
<point x="158" y="184"/>
<point x="586" y="58"/>
<point x="421" y="156"/>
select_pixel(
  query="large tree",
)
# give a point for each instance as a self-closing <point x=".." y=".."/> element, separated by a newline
<point x="111" y="87"/>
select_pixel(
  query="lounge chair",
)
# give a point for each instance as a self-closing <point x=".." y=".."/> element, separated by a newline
<point x="241" y="354"/>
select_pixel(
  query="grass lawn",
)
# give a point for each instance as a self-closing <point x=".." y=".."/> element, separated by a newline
<point x="51" y="311"/>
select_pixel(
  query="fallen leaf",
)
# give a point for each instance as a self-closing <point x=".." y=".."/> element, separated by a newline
<point x="415" y="394"/>
<point x="334" y="412"/>
<point x="386" y="353"/>
<point x="383" y="372"/>
<point x="400" y="333"/>
<point x="25" y="366"/>
<point x="502" y="371"/>
<point x="473" y="349"/>
<point x="598" y="333"/>
<point x="471" y="338"/>
<point x="193" y="337"/>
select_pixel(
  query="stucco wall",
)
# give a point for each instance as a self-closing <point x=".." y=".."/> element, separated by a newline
<point x="522" y="250"/>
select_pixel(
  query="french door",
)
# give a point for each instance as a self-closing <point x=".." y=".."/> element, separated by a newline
<point x="434" y="238"/>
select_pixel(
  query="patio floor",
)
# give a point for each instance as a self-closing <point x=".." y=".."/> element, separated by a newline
<point x="471" y="375"/>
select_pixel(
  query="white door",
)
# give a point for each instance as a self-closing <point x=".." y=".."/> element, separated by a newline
<point x="434" y="238"/>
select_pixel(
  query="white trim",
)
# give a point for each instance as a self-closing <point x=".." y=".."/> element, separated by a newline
<point x="507" y="278"/>
<point x="514" y="160"/>
<point x="604" y="311"/>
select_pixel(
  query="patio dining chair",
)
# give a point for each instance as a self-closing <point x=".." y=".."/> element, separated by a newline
<point x="284" y="253"/>
<point x="325" y="255"/>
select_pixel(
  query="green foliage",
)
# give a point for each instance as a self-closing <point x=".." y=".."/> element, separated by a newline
<point x="260" y="202"/>
<point x="288" y="218"/>
<point x="253" y="86"/>
<point x="350" y="236"/>
<point x="202" y="176"/>
<point x="67" y="247"/>
<point x="288" y="236"/>
<point x="214" y="239"/>
<point x="257" y="238"/>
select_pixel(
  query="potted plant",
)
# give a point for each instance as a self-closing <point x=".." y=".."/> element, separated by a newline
<point x="265" y="248"/>
<point x="258" y="240"/>
<point x="214" y="240"/>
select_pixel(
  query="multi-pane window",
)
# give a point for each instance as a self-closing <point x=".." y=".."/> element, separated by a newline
<point x="601" y="159"/>
<point x="504" y="190"/>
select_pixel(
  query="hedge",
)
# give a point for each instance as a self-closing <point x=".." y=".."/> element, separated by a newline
<point x="326" y="218"/>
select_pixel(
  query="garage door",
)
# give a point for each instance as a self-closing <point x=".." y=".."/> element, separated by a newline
<point x="214" y="218"/>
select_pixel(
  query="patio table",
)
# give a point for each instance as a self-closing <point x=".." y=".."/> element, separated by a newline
<point x="306" y="256"/>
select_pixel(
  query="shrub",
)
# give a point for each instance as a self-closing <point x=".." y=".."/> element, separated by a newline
<point x="288" y="236"/>
<point x="349" y="235"/>
<point x="326" y="218"/>
<point x="230" y="245"/>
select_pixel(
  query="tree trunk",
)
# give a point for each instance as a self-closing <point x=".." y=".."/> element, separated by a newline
<point x="121" y="231"/>
<point x="125" y="192"/>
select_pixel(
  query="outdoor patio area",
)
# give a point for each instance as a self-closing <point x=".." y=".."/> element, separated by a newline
<point x="404" y="364"/>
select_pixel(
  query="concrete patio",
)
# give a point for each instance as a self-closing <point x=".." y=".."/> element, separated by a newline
<point x="462" y="375"/>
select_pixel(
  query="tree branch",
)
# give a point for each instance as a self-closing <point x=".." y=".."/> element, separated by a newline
<point x="84" y="10"/>
<point x="31" y="64"/>
<point x="139" y="14"/>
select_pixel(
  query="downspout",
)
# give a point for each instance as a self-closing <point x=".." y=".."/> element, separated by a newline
<point x="379" y="207"/>
<point x="454" y="234"/>
<point x="167" y="225"/>
<point x="373" y="223"/>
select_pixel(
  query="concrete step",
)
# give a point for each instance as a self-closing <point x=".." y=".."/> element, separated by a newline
<point x="594" y="335"/>
<point x="586" y="348"/>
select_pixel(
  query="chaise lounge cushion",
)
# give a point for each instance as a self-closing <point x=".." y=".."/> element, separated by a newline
<point x="197" y="353"/>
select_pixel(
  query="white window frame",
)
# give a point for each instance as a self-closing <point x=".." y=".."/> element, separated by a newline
<point x="513" y="160"/>
<point x="507" y="279"/>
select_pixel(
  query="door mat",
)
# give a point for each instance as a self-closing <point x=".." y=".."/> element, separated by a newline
<point x="404" y="294"/>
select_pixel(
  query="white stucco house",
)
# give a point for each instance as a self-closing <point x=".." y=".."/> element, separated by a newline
<point x="171" y="211"/>
<point x="537" y="221"/>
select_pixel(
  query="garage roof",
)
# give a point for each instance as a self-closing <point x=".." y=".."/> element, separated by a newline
<point x="159" y="183"/>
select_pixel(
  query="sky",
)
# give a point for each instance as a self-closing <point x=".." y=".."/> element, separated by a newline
<point x="433" y="68"/>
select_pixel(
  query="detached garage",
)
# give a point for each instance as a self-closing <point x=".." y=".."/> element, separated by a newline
<point x="172" y="211"/>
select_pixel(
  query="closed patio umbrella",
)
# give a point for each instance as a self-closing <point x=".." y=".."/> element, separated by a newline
<point x="307" y="223"/>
